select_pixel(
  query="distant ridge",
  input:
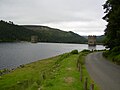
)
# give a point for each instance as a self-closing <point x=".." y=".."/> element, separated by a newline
<point x="56" y="35"/>
<point x="9" y="32"/>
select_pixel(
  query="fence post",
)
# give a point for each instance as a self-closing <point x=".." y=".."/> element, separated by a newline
<point x="92" y="86"/>
<point x="79" y="67"/>
<point x="43" y="76"/>
<point x="85" y="83"/>
<point x="80" y="72"/>
<point x="78" y="63"/>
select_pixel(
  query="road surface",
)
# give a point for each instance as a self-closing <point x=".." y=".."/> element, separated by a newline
<point x="103" y="72"/>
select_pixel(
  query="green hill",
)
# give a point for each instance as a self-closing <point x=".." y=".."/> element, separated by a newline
<point x="47" y="34"/>
<point x="11" y="32"/>
<point x="100" y="39"/>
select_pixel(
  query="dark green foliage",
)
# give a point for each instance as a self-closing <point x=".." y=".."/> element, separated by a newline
<point x="100" y="39"/>
<point x="74" y="52"/>
<point x="86" y="50"/>
<point x="112" y="32"/>
<point x="47" y="34"/>
<point x="116" y="50"/>
<point x="113" y="55"/>
<point x="11" y="32"/>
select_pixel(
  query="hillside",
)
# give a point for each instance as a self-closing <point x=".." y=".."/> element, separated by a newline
<point x="47" y="34"/>
<point x="100" y="39"/>
<point x="10" y="32"/>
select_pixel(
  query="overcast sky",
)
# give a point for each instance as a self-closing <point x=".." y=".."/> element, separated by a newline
<point x="80" y="16"/>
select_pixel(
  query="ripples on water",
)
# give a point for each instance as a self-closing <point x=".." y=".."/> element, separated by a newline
<point x="15" y="54"/>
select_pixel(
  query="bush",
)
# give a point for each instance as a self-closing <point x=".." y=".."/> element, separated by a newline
<point x="117" y="59"/>
<point x="106" y="53"/>
<point x="116" y="49"/>
<point x="22" y="66"/>
<point x="113" y="55"/>
<point x="74" y="52"/>
<point x="85" y="50"/>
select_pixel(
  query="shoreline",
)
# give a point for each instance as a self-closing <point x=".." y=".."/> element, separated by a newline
<point x="44" y="74"/>
<point x="23" y="53"/>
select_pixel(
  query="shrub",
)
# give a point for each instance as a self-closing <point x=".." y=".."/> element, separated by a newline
<point x="117" y="59"/>
<point x="116" y="49"/>
<point x="113" y="55"/>
<point x="85" y="50"/>
<point x="106" y="53"/>
<point x="22" y="66"/>
<point x="74" y="52"/>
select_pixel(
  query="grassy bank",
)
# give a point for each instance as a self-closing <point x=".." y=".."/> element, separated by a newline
<point x="56" y="73"/>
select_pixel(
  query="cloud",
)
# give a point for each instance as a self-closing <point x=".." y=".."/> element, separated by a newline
<point x="75" y="15"/>
<point x="83" y="28"/>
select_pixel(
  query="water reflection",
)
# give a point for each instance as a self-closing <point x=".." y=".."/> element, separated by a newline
<point x="91" y="48"/>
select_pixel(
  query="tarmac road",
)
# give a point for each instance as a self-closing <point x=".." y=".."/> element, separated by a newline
<point x="104" y="73"/>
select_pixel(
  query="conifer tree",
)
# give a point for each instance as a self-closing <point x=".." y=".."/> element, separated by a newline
<point x="112" y="31"/>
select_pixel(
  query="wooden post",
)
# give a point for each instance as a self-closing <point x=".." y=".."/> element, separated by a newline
<point x="79" y="67"/>
<point x="80" y="72"/>
<point x="85" y="83"/>
<point x="43" y="76"/>
<point x="92" y="86"/>
<point x="77" y="63"/>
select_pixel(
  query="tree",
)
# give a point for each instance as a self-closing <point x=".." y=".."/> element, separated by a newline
<point x="112" y="31"/>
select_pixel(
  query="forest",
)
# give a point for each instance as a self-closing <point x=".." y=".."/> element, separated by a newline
<point x="112" y="31"/>
<point x="9" y="32"/>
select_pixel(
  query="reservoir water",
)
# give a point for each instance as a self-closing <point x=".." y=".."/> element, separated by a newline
<point x="15" y="54"/>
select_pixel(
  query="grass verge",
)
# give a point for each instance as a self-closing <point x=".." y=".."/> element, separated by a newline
<point x="56" y="73"/>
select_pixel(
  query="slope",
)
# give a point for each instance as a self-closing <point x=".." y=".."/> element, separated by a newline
<point x="9" y="32"/>
<point x="48" y="34"/>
